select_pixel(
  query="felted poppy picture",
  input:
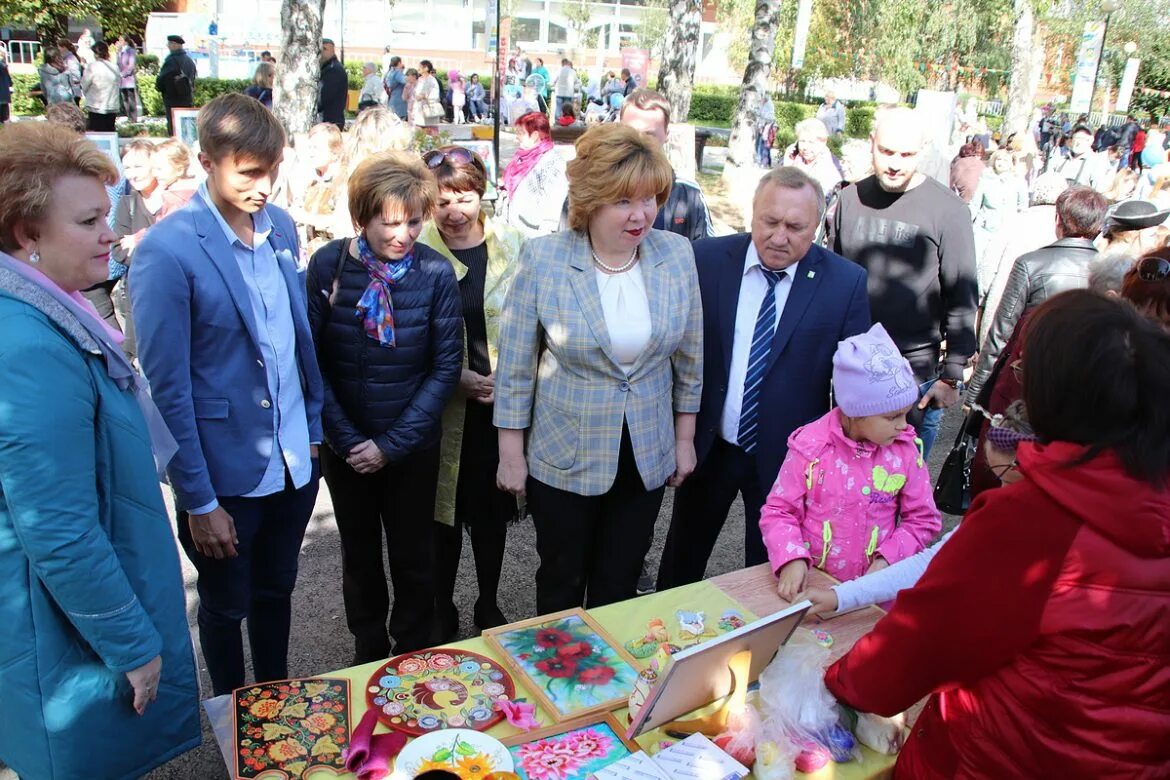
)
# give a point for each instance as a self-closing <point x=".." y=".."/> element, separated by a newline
<point x="568" y="662"/>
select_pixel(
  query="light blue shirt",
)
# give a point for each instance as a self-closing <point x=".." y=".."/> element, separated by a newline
<point x="272" y="314"/>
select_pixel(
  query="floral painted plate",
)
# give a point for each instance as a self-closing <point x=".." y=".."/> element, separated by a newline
<point x="439" y="688"/>
<point x="469" y="754"/>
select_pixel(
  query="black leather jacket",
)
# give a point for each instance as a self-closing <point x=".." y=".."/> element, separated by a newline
<point x="1035" y="277"/>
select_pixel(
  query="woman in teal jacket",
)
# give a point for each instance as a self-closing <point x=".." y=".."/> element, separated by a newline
<point x="96" y="662"/>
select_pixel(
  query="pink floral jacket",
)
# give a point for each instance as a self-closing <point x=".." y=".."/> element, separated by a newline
<point x="838" y="502"/>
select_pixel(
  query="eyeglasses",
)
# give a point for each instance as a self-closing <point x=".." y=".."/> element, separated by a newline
<point x="1017" y="367"/>
<point x="1000" y="471"/>
<point x="1153" y="269"/>
<point x="457" y="156"/>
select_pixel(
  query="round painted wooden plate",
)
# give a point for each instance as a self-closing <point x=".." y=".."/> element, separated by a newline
<point x="439" y="688"/>
<point x="468" y="754"/>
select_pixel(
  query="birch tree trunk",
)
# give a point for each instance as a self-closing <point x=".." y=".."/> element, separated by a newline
<point x="1022" y="86"/>
<point x="294" y="98"/>
<point x="756" y="80"/>
<point x="676" y="77"/>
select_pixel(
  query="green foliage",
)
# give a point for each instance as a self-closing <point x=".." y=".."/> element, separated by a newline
<point x="1155" y="75"/>
<point x="858" y="121"/>
<point x="788" y="114"/>
<point x="50" y="18"/>
<point x="151" y="99"/>
<point x="353" y="74"/>
<point x="707" y="106"/>
<point x="207" y="90"/>
<point x="148" y="63"/>
<point x="142" y="130"/>
<point x="22" y="103"/>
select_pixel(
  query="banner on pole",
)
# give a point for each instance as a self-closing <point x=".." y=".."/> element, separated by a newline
<point x="1128" y="81"/>
<point x="1087" y="56"/>
<point x="800" y="37"/>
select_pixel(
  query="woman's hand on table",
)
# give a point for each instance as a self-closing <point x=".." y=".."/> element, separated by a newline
<point x="824" y="600"/>
<point x="144" y="681"/>
<point x="791" y="579"/>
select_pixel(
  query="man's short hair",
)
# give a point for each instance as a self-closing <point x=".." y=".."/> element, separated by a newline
<point x="567" y="62"/>
<point x="647" y="100"/>
<point x="792" y="178"/>
<point x="1081" y="211"/>
<point x="237" y="125"/>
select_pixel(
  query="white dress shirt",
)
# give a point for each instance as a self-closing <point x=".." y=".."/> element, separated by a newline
<point x="627" y="313"/>
<point x="751" y="294"/>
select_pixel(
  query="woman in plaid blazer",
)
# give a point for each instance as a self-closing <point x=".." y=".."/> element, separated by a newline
<point x="599" y="375"/>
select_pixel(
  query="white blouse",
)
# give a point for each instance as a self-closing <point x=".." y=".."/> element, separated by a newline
<point x="627" y="313"/>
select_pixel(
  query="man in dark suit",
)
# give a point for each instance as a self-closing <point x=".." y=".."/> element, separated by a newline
<point x="176" y="79"/>
<point x="774" y="308"/>
<point x="333" y="89"/>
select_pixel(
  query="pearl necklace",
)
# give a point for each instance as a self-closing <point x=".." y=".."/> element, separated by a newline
<point x="611" y="269"/>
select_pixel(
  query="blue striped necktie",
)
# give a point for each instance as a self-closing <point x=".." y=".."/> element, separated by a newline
<point x="749" y="415"/>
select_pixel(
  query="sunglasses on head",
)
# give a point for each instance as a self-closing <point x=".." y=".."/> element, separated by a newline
<point x="457" y="156"/>
<point x="1153" y="269"/>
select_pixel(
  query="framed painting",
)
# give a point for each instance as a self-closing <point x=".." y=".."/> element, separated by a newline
<point x="183" y="123"/>
<point x="568" y="662"/>
<point x="573" y="750"/>
<point x="108" y="144"/>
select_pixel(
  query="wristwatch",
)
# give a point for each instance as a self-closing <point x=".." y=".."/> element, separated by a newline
<point x="958" y="384"/>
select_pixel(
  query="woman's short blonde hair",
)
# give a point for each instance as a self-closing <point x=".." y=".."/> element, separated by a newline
<point x="396" y="179"/>
<point x="333" y="137"/>
<point x="615" y="162"/>
<point x="33" y="155"/>
<point x="176" y="154"/>
<point x="375" y="130"/>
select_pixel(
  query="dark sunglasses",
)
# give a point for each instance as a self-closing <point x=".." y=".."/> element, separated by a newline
<point x="457" y="156"/>
<point x="1153" y="269"/>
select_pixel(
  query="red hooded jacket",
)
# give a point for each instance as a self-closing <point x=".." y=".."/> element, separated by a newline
<point x="1042" y="631"/>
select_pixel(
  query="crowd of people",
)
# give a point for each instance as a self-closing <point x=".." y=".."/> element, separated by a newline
<point x="347" y="308"/>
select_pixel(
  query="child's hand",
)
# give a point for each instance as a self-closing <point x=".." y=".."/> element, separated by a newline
<point x="824" y="600"/>
<point x="878" y="564"/>
<point x="791" y="578"/>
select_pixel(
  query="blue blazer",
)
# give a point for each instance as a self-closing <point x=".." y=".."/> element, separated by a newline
<point x="198" y="348"/>
<point x="828" y="302"/>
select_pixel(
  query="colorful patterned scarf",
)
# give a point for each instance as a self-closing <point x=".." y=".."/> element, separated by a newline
<point x="376" y="306"/>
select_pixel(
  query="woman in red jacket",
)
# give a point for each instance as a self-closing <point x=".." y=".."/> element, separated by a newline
<point x="1041" y="631"/>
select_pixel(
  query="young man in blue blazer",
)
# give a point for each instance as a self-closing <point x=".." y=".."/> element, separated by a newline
<point x="224" y="341"/>
<point x="774" y="308"/>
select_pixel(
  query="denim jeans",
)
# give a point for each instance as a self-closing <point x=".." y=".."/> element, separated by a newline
<point x="927" y="422"/>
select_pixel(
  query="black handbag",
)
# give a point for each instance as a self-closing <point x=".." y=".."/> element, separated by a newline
<point x="952" y="491"/>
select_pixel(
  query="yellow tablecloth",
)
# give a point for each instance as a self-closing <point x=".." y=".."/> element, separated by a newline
<point x="623" y="621"/>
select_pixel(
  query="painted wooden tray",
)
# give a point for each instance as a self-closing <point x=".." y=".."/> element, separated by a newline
<point x="439" y="688"/>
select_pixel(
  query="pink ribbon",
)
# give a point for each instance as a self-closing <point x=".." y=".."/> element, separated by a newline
<point x="369" y="754"/>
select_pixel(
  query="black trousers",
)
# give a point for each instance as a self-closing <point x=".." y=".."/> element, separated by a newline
<point x="398" y="502"/>
<point x="100" y="123"/>
<point x="130" y="103"/>
<point x="700" y="510"/>
<point x="480" y="507"/>
<point x="257" y="584"/>
<point x="592" y="547"/>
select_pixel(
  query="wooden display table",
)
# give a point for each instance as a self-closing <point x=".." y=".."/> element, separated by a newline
<point x="748" y="591"/>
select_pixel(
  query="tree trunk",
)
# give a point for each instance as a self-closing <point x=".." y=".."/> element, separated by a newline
<point x="1022" y="87"/>
<point x="756" y="79"/>
<point x="676" y="77"/>
<point x="294" y="99"/>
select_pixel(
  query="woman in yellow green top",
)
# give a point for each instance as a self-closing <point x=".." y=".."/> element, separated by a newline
<point x="484" y="254"/>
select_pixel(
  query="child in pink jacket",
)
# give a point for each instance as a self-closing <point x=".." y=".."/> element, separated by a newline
<point x="853" y="495"/>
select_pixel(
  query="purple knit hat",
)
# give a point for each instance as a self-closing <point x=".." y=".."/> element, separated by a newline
<point x="870" y="376"/>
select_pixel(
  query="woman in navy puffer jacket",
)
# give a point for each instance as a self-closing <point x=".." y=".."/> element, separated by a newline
<point x="387" y="320"/>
